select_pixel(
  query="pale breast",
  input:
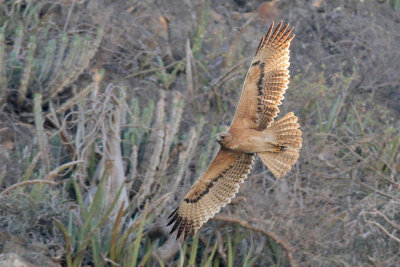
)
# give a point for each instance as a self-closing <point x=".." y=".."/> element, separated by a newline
<point x="251" y="141"/>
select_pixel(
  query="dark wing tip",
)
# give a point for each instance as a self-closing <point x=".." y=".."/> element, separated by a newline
<point x="173" y="219"/>
<point x="177" y="220"/>
<point x="265" y="37"/>
<point x="188" y="229"/>
<point x="278" y="36"/>
<point x="181" y="228"/>
<point x="173" y="213"/>
<point x="183" y="225"/>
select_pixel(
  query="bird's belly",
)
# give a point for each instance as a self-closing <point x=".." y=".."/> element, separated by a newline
<point x="253" y="141"/>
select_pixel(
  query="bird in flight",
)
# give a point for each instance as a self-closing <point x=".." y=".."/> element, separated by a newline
<point x="253" y="131"/>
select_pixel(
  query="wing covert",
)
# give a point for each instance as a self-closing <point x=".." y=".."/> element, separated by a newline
<point x="266" y="81"/>
<point x="213" y="190"/>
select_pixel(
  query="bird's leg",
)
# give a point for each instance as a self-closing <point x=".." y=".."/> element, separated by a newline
<point x="280" y="148"/>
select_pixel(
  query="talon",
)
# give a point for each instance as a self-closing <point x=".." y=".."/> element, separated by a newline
<point x="281" y="148"/>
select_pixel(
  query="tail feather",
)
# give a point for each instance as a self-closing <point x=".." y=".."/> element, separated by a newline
<point x="287" y="134"/>
<point x="279" y="163"/>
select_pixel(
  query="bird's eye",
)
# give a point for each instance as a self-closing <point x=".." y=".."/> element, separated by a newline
<point x="222" y="136"/>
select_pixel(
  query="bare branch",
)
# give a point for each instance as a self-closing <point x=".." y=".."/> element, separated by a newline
<point x="284" y="244"/>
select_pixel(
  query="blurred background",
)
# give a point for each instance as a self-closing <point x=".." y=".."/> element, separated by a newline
<point x="109" y="110"/>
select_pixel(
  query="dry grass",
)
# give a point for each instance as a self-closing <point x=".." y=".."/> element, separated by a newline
<point x="123" y="101"/>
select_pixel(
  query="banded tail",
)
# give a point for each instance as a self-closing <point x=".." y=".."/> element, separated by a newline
<point x="288" y="137"/>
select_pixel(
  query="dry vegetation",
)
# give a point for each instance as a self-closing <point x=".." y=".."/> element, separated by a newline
<point x="109" y="111"/>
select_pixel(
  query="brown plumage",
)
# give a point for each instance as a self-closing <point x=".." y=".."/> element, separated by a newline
<point x="253" y="131"/>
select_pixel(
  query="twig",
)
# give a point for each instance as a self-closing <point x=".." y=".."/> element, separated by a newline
<point x="286" y="246"/>
<point x="233" y="46"/>
<point x="42" y="137"/>
<point x="383" y="229"/>
<point x="185" y="157"/>
<point x="72" y="101"/>
<point x="171" y="129"/>
<point x="14" y="186"/>
<point x="113" y="263"/>
<point x="220" y="247"/>
<point x="189" y="66"/>
<point x="69" y="16"/>
<point x="61" y="168"/>
<point x="61" y="130"/>
<point x="216" y="83"/>
<point x="143" y="72"/>
<point x="143" y="215"/>
<point x="376" y="191"/>
<point x="157" y="139"/>
<point x="395" y="225"/>
<point x="45" y="180"/>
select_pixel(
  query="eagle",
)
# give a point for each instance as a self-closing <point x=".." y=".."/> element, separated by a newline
<point x="253" y="131"/>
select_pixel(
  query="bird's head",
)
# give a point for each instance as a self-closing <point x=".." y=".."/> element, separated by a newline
<point x="223" y="138"/>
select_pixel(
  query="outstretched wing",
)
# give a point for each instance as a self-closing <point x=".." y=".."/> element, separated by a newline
<point x="266" y="81"/>
<point x="213" y="190"/>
